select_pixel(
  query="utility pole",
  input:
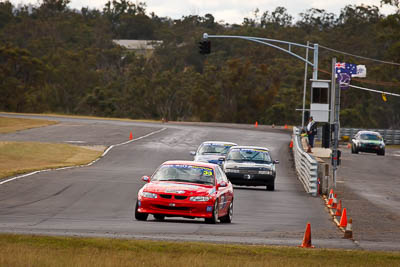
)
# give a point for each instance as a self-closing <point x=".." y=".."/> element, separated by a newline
<point x="305" y="86"/>
<point x="336" y="110"/>
<point x="332" y="96"/>
<point x="315" y="65"/>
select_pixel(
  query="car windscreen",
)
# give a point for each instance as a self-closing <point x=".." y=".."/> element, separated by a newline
<point x="209" y="148"/>
<point x="246" y="154"/>
<point x="185" y="173"/>
<point x="372" y="137"/>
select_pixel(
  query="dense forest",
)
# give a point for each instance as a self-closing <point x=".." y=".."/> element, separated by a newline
<point x="57" y="59"/>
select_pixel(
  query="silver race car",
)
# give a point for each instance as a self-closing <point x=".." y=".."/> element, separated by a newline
<point x="212" y="151"/>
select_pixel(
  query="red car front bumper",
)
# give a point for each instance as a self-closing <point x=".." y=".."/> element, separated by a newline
<point x="174" y="207"/>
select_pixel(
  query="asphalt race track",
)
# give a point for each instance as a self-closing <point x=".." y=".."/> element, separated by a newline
<point x="98" y="200"/>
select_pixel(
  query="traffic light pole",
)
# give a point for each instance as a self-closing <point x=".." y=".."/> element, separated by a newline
<point x="335" y="91"/>
<point x="268" y="42"/>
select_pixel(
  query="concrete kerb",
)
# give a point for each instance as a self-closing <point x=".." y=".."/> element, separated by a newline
<point x="85" y="165"/>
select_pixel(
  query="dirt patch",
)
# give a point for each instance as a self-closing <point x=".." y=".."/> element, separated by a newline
<point x="96" y="148"/>
<point x="370" y="222"/>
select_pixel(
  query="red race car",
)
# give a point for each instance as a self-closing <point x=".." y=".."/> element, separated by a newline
<point x="186" y="189"/>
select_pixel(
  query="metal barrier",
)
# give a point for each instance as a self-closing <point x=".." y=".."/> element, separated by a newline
<point x="306" y="165"/>
<point x="391" y="137"/>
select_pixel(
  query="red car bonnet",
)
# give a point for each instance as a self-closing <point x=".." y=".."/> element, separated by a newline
<point x="177" y="188"/>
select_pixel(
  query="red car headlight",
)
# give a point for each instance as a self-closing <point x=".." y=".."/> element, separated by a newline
<point x="149" y="195"/>
<point x="199" y="198"/>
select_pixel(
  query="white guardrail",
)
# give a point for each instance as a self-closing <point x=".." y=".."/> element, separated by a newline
<point x="306" y="165"/>
<point x="391" y="137"/>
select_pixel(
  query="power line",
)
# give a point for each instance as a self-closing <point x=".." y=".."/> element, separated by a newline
<point x="367" y="58"/>
<point x="373" y="90"/>
<point x="392" y="84"/>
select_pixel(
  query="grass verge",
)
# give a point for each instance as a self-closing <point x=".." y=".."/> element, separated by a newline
<point x="22" y="157"/>
<point x="81" y="117"/>
<point x="8" y="125"/>
<point x="28" y="250"/>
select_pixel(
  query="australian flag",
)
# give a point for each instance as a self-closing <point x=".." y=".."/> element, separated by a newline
<point x="348" y="68"/>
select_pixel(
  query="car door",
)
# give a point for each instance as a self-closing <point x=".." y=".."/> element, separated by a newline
<point x="223" y="192"/>
<point x="229" y="188"/>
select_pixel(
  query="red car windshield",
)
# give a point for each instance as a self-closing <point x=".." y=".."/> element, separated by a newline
<point x="185" y="173"/>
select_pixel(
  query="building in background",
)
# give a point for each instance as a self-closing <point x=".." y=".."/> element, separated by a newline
<point x="140" y="47"/>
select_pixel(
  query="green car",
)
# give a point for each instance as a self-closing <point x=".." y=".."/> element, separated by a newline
<point x="368" y="141"/>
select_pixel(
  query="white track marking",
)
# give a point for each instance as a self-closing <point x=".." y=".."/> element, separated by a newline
<point x="79" y="166"/>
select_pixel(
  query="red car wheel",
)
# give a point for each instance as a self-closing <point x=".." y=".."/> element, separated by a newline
<point x="214" y="218"/>
<point x="139" y="215"/>
<point x="228" y="217"/>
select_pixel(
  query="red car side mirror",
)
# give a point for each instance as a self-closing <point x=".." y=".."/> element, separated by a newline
<point x="146" y="179"/>
<point x="222" y="184"/>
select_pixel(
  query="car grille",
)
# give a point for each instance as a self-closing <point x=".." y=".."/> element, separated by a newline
<point x="175" y="196"/>
<point x="248" y="171"/>
<point x="171" y="208"/>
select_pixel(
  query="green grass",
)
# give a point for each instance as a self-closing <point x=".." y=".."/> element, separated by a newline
<point x="22" y="157"/>
<point x="26" y="250"/>
<point x="8" y="125"/>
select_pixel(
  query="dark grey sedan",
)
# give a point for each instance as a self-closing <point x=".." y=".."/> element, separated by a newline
<point x="251" y="166"/>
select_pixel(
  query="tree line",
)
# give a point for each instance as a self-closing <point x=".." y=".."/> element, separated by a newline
<point x="57" y="59"/>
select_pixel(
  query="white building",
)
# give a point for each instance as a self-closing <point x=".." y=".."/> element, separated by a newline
<point x="140" y="47"/>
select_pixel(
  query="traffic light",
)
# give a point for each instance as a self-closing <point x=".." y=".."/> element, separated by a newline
<point x="326" y="135"/>
<point x="205" y="47"/>
<point x="338" y="161"/>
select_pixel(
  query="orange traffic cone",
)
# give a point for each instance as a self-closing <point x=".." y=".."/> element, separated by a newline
<point x="334" y="203"/>
<point x="285" y="126"/>
<point x="348" y="145"/>
<point x="339" y="209"/>
<point x="330" y="198"/>
<point x="131" y="136"/>
<point x="343" y="219"/>
<point x="291" y="144"/>
<point x="307" y="238"/>
<point x="256" y="124"/>
<point x="348" y="233"/>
